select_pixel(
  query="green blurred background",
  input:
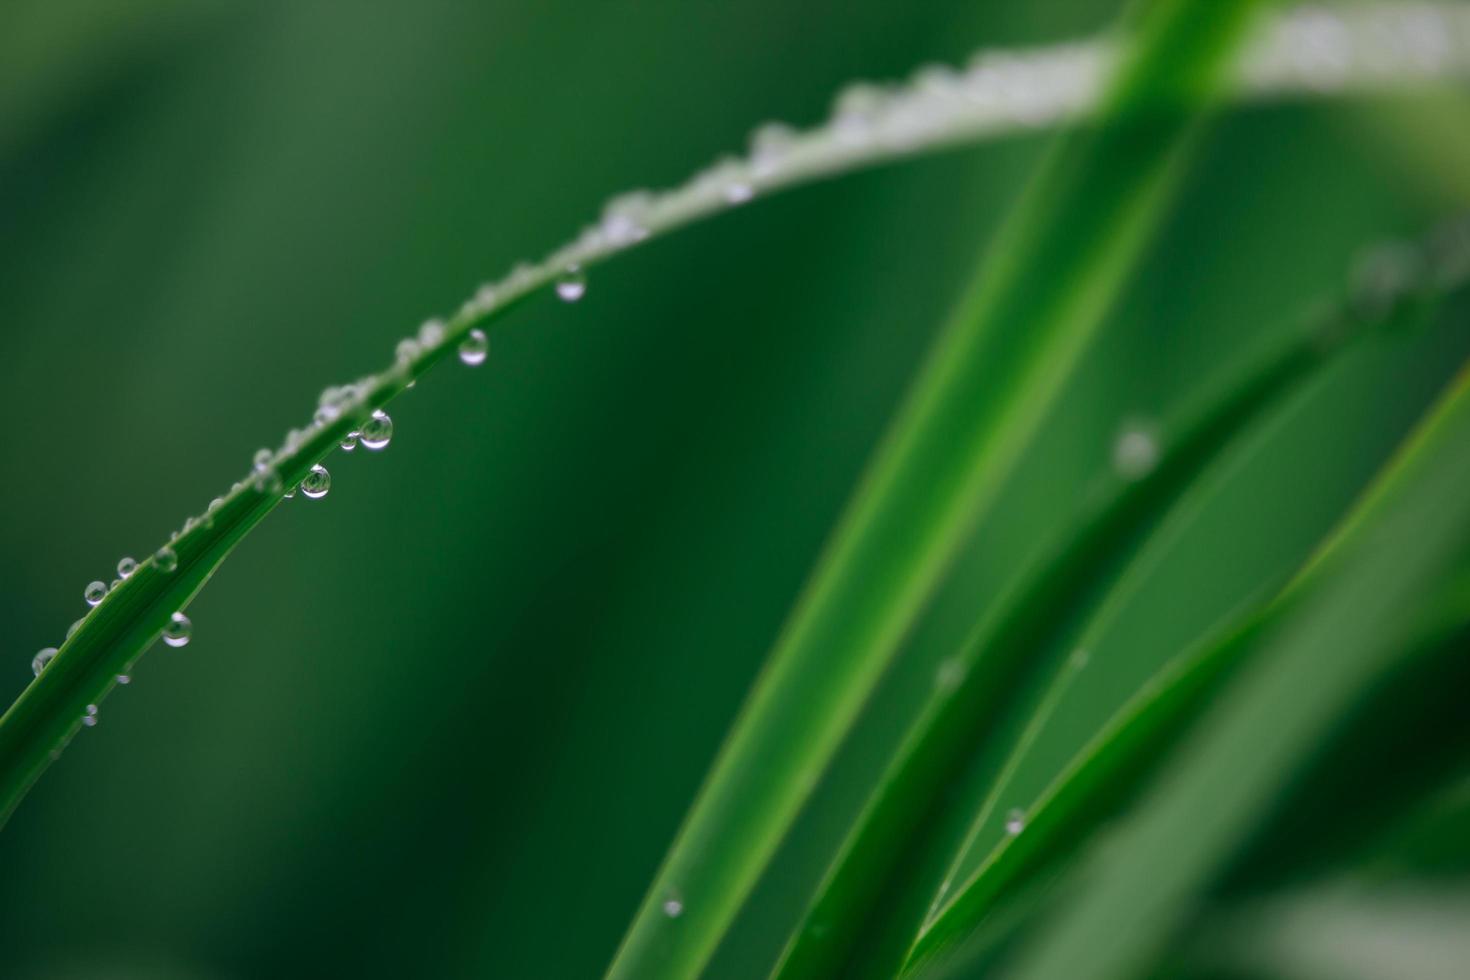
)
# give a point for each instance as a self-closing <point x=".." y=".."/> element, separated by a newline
<point x="446" y="721"/>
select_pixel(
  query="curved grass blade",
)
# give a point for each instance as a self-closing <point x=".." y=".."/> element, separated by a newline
<point x="1411" y="930"/>
<point x="859" y="894"/>
<point x="972" y="105"/>
<point x="1397" y="752"/>
<point x="873" y="889"/>
<point x="1109" y="772"/>
<point x="1095" y="784"/>
<point x="993" y="376"/>
<point x="1369" y="594"/>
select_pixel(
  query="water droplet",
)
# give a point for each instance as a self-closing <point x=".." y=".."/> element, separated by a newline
<point x="95" y="592"/>
<point x="40" y="660"/>
<point x="267" y="481"/>
<point x="1383" y="277"/>
<point x="165" y="559"/>
<point x="262" y="458"/>
<point x="474" y="347"/>
<point x="1015" y="821"/>
<point x="125" y="678"/>
<point x="316" y="482"/>
<point x="72" y="629"/>
<point x="90" y="718"/>
<point x="377" y="431"/>
<point x="114" y="584"/>
<point x="178" y="630"/>
<point x="770" y="143"/>
<point x="325" y="415"/>
<point x="673" y="906"/>
<point x="349" y="442"/>
<point x="571" y="285"/>
<point x="739" y="191"/>
<point x="625" y="218"/>
<point x="949" y="675"/>
<point x="126" y="567"/>
<point x="855" y="112"/>
<point x="407" y="351"/>
<point x="290" y="492"/>
<point x="1136" y="451"/>
<point x="431" y="333"/>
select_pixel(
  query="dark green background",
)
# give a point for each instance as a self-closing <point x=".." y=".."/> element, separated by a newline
<point x="445" y="721"/>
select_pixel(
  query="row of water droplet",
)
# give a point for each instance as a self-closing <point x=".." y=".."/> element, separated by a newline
<point x="1304" y="50"/>
<point x="176" y="632"/>
<point x="1301" y="50"/>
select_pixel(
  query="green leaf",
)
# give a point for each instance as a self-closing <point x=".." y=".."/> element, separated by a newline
<point x="992" y="378"/>
<point x="1149" y="722"/>
<point x="1368" y="598"/>
<point x="901" y="822"/>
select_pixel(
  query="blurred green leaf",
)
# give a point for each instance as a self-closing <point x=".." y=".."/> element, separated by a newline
<point x="1365" y="605"/>
<point x="992" y="378"/>
<point x="881" y="869"/>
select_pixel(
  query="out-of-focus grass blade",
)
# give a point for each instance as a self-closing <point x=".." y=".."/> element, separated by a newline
<point x="1427" y="273"/>
<point x="860" y="895"/>
<point x="1366" y="600"/>
<point x="1401" y="749"/>
<point x="1092" y="787"/>
<point x="992" y="377"/>
<point x="113" y="635"/>
<point x="1325" y="817"/>
<point x="1343" y="930"/>
<point x="1108" y="773"/>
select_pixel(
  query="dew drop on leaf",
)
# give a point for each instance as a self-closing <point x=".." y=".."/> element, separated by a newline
<point x="407" y="351"/>
<point x="178" y="630"/>
<point x="1015" y="821"/>
<point x="739" y="191"/>
<point x="166" y="559"/>
<point x="95" y="592"/>
<point x="474" y="347"/>
<point x="1136" y="450"/>
<point x="267" y="481"/>
<point x="90" y="718"/>
<point x="376" y="432"/>
<point x="949" y="674"/>
<point x="40" y="660"/>
<point x="126" y="567"/>
<point x="571" y="285"/>
<point x="316" y="482"/>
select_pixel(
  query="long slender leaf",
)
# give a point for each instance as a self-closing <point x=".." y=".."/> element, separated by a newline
<point x="1033" y="614"/>
<point x="1106" y="775"/>
<point x="1416" y="294"/>
<point x="115" y="634"/>
<point x="1370" y="593"/>
<point x="993" y="376"/>
<point x="129" y="619"/>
